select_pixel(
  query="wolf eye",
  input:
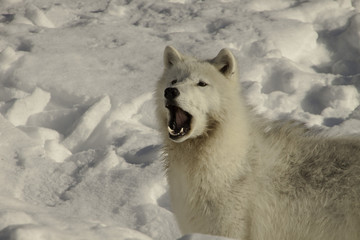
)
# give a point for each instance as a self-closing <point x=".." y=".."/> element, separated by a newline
<point x="202" y="84"/>
<point x="173" y="82"/>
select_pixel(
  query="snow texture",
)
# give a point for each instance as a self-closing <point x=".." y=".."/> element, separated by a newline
<point x="80" y="154"/>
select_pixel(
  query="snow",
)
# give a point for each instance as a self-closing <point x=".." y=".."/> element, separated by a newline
<point x="197" y="236"/>
<point x="37" y="17"/>
<point x="87" y="123"/>
<point x="80" y="152"/>
<point x="22" y="108"/>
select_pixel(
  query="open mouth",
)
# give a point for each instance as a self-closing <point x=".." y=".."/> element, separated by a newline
<point x="179" y="123"/>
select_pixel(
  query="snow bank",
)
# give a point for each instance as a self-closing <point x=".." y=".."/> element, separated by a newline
<point x="56" y="151"/>
<point x="87" y="123"/>
<point x="202" y="237"/>
<point x="80" y="150"/>
<point x="41" y="134"/>
<point x="7" y="57"/>
<point x="23" y="108"/>
<point x="36" y="16"/>
<point x="292" y="38"/>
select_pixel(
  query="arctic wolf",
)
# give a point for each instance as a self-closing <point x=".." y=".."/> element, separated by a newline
<point x="231" y="173"/>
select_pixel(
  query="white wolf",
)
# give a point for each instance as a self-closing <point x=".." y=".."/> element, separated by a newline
<point x="233" y="174"/>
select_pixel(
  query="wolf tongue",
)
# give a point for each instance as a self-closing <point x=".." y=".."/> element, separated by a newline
<point x="180" y="117"/>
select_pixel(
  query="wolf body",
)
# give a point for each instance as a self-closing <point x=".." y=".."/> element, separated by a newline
<point x="234" y="174"/>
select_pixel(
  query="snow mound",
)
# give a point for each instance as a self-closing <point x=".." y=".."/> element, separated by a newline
<point x="41" y="134"/>
<point x="87" y="123"/>
<point x="37" y="17"/>
<point x="23" y="108"/>
<point x="293" y="39"/>
<point x="15" y="218"/>
<point x="202" y="237"/>
<point x="7" y="57"/>
<point x="56" y="151"/>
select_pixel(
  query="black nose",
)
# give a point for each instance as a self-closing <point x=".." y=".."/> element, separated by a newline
<point x="171" y="93"/>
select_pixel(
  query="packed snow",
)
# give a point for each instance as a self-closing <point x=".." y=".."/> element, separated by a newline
<point x="80" y="154"/>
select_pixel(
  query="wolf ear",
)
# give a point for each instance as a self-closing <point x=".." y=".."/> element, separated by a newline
<point x="225" y="63"/>
<point x="171" y="56"/>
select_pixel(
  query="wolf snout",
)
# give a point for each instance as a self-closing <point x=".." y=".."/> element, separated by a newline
<point x="171" y="93"/>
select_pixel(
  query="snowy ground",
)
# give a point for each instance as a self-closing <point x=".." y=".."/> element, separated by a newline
<point x="79" y="149"/>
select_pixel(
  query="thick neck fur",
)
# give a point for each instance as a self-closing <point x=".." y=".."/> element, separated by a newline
<point x="221" y="167"/>
<point x="204" y="172"/>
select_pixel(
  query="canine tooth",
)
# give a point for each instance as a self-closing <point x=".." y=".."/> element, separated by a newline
<point x="182" y="130"/>
<point x="171" y="131"/>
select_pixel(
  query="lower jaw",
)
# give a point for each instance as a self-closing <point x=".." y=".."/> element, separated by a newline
<point x="175" y="138"/>
<point x="178" y="139"/>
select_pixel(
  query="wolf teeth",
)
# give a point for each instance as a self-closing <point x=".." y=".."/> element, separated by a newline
<point x="172" y="131"/>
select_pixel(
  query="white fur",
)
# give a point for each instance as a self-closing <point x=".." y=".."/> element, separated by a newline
<point x="237" y="175"/>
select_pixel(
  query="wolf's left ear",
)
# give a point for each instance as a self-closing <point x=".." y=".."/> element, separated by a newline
<point x="171" y="56"/>
<point x="225" y="62"/>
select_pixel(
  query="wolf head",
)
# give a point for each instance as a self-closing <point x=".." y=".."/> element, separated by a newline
<point x="192" y="94"/>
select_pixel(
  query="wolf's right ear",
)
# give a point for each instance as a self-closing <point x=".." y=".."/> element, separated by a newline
<point x="171" y="56"/>
<point x="225" y="62"/>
